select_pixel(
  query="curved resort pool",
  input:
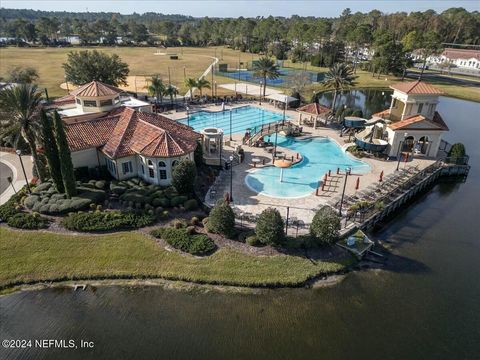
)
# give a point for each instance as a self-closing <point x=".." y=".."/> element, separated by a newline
<point x="319" y="156"/>
<point x="243" y="118"/>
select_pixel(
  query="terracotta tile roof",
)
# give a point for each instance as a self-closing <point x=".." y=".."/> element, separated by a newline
<point x="96" y="88"/>
<point x="383" y="114"/>
<point x="436" y="123"/>
<point x="90" y="134"/>
<point x="64" y="100"/>
<point x="314" y="108"/>
<point x="461" y="54"/>
<point x="125" y="131"/>
<point x="416" y="87"/>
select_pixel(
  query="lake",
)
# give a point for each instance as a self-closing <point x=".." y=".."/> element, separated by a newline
<point x="426" y="305"/>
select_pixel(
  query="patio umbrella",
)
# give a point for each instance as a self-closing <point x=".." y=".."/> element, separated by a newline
<point x="282" y="164"/>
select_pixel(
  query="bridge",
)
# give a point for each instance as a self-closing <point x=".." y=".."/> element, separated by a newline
<point x="266" y="130"/>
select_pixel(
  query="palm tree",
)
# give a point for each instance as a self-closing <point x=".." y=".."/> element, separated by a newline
<point x="190" y="83"/>
<point x="202" y="84"/>
<point x="22" y="104"/>
<point x="266" y="69"/>
<point x="171" y="91"/>
<point x="339" y="77"/>
<point x="156" y="88"/>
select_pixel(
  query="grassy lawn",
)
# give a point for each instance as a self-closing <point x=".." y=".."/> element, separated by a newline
<point x="28" y="257"/>
<point x="142" y="62"/>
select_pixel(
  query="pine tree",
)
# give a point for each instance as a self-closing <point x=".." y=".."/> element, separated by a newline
<point x="51" y="151"/>
<point x="65" y="157"/>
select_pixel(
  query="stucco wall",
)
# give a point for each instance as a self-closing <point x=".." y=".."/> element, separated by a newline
<point x="85" y="158"/>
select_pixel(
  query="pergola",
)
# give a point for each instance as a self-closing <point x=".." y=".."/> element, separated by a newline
<point x="281" y="98"/>
<point x="313" y="112"/>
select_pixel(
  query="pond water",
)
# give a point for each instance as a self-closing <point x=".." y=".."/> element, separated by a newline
<point x="369" y="101"/>
<point x="425" y="306"/>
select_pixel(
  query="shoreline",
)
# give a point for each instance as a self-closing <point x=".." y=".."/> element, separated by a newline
<point x="320" y="281"/>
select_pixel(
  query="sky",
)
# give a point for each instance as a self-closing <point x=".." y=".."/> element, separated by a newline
<point x="236" y="8"/>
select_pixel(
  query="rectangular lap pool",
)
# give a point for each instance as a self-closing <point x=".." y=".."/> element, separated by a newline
<point x="245" y="117"/>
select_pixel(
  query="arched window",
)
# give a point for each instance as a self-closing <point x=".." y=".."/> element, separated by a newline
<point x="174" y="163"/>
<point x="151" y="173"/>
<point x="161" y="164"/>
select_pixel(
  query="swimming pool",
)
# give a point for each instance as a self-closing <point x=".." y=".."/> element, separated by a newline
<point x="319" y="156"/>
<point x="245" y="117"/>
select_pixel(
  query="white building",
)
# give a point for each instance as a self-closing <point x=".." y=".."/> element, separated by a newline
<point x="466" y="59"/>
<point x="411" y="124"/>
<point x="128" y="141"/>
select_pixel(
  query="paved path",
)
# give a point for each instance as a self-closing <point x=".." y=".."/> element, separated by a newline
<point x="5" y="172"/>
<point x="205" y="73"/>
<point x="12" y="162"/>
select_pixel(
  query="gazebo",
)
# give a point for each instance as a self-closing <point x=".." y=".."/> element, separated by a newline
<point x="212" y="145"/>
<point x="312" y="113"/>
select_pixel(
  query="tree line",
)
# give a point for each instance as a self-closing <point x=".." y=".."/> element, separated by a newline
<point x="261" y="34"/>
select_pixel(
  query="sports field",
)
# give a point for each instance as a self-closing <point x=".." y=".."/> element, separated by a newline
<point x="143" y="62"/>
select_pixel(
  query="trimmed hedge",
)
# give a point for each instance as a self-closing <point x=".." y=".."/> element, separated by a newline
<point x="195" y="244"/>
<point x="12" y="206"/>
<point x="27" y="221"/>
<point x="270" y="227"/>
<point x="46" y="200"/>
<point x="107" y="220"/>
<point x="221" y="219"/>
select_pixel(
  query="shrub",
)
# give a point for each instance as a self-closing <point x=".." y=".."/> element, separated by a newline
<point x="27" y="221"/>
<point x="252" y="240"/>
<point x="107" y="220"/>
<point x="190" y="205"/>
<point x="183" y="176"/>
<point x="190" y="230"/>
<point x="100" y="184"/>
<point x="205" y="221"/>
<point x="270" y="227"/>
<point x="197" y="244"/>
<point x="8" y="210"/>
<point x="457" y="153"/>
<point x="178" y="223"/>
<point x="178" y="200"/>
<point x="221" y="219"/>
<point x="195" y="220"/>
<point x="325" y="226"/>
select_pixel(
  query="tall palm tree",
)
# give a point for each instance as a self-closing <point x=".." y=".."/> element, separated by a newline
<point x="266" y="69"/>
<point x="190" y="83"/>
<point x="21" y="104"/>
<point x="203" y="84"/>
<point x="156" y="88"/>
<point x="171" y="91"/>
<point x="339" y="77"/>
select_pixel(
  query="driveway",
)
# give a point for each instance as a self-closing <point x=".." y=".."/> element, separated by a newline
<point x="5" y="172"/>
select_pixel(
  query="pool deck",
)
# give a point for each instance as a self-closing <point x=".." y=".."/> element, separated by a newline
<point x="248" y="201"/>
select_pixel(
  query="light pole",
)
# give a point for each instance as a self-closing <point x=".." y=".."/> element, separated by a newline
<point x="231" y="177"/>
<point x="284" y="109"/>
<point x="19" y="153"/>
<point x="66" y="83"/>
<point x="261" y="83"/>
<point x="230" y="124"/>
<point x="400" y="149"/>
<point x="347" y="172"/>
<point x="188" y="117"/>
<point x="275" y="147"/>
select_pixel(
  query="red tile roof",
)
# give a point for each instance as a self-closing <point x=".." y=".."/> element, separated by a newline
<point x="96" y="88"/>
<point x="437" y="122"/>
<point x="314" y="108"/>
<point x="124" y="132"/>
<point x="64" y="100"/>
<point x="383" y="114"/>
<point x="416" y="87"/>
<point x="461" y="54"/>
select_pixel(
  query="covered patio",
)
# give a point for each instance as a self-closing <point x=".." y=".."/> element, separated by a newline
<point x="281" y="99"/>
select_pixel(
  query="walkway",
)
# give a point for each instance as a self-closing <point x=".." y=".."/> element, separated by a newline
<point x="205" y="73"/>
<point x="13" y="163"/>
